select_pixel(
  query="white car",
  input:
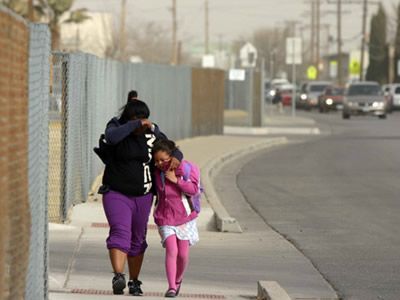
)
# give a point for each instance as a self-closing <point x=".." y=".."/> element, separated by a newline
<point x="395" y="94"/>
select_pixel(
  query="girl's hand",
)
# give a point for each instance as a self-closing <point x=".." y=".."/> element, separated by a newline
<point x="174" y="164"/>
<point x="170" y="175"/>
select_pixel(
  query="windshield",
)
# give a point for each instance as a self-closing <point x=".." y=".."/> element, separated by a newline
<point x="334" y="91"/>
<point x="317" y="87"/>
<point x="364" y="90"/>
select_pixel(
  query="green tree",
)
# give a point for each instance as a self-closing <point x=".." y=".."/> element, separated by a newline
<point x="377" y="68"/>
<point x="49" y="11"/>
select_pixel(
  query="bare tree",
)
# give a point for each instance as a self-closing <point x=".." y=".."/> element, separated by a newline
<point x="149" y="41"/>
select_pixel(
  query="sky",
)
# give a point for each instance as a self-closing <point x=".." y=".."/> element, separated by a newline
<point x="231" y="19"/>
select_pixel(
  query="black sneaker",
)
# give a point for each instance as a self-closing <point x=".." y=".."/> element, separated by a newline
<point x="118" y="283"/>
<point x="134" y="287"/>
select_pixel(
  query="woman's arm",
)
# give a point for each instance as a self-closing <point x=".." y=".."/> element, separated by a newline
<point x="115" y="132"/>
<point x="160" y="135"/>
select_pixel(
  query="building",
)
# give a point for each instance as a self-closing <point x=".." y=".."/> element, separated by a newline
<point x="92" y="36"/>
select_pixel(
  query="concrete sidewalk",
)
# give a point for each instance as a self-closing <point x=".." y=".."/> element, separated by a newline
<point x="223" y="265"/>
<point x="274" y="123"/>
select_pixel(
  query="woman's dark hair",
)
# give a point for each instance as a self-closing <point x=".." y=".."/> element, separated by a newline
<point x="134" y="110"/>
<point x="132" y="95"/>
<point x="167" y="146"/>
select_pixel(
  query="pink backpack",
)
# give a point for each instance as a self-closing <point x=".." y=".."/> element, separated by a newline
<point x="195" y="199"/>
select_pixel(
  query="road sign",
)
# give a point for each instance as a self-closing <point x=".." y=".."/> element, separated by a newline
<point x="248" y="56"/>
<point x="312" y="73"/>
<point x="237" y="74"/>
<point x="293" y="51"/>
<point x="355" y="67"/>
<point x="208" y="61"/>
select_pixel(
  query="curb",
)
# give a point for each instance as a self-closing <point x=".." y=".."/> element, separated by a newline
<point x="271" y="130"/>
<point x="224" y="222"/>
<point x="271" y="290"/>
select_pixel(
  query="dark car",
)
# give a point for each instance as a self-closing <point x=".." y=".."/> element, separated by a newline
<point x="364" y="98"/>
<point x="331" y="99"/>
<point x="310" y="91"/>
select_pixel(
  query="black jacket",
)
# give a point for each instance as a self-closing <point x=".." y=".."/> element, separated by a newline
<point x="130" y="169"/>
<point x="128" y="157"/>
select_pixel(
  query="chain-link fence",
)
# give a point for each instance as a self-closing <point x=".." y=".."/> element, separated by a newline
<point x="39" y="76"/>
<point x="86" y="93"/>
<point x="167" y="91"/>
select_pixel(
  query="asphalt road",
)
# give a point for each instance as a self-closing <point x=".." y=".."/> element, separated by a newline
<point x="337" y="199"/>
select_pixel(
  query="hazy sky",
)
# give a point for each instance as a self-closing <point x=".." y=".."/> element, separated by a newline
<point x="230" y="19"/>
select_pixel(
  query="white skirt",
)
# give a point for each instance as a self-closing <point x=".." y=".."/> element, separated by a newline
<point x="186" y="232"/>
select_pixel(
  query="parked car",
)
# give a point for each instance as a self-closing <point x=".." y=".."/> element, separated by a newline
<point x="310" y="91"/>
<point x="331" y="99"/>
<point x="275" y="84"/>
<point x="287" y="94"/>
<point x="394" y="94"/>
<point x="364" y="98"/>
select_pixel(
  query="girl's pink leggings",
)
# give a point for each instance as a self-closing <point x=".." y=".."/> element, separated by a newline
<point x="176" y="260"/>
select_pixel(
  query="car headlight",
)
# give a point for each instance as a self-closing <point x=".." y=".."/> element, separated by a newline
<point x="329" y="101"/>
<point x="377" y="104"/>
<point x="272" y="93"/>
<point x="303" y="97"/>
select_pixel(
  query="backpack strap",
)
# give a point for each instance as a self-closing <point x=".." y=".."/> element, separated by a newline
<point x="162" y="175"/>
<point x="187" y="168"/>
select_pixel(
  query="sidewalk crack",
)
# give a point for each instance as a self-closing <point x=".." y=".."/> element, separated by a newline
<point x="73" y="258"/>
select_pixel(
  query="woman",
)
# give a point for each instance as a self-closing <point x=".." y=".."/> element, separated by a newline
<point x="127" y="191"/>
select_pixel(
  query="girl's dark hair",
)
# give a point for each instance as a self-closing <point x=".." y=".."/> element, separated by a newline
<point x="167" y="146"/>
<point x="134" y="110"/>
<point x="132" y="95"/>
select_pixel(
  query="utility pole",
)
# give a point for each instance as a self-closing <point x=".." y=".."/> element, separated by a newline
<point x="312" y="31"/>
<point x="339" y="41"/>
<point x="174" y="56"/>
<point x="30" y="11"/>
<point x="328" y="38"/>
<point x="364" y="32"/>
<point x="318" y="23"/>
<point x="122" y="31"/>
<point x="363" y="38"/>
<point x="206" y="28"/>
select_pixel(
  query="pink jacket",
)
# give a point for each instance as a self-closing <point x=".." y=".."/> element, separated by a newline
<point x="172" y="208"/>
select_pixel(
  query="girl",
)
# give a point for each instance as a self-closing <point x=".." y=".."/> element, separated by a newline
<point x="173" y="214"/>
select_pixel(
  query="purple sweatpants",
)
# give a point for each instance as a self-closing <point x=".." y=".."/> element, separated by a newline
<point x="128" y="217"/>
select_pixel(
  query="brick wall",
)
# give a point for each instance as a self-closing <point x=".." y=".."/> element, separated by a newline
<point x="14" y="205"/>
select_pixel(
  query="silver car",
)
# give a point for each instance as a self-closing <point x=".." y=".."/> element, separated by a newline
<point x="364" y="98"/>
